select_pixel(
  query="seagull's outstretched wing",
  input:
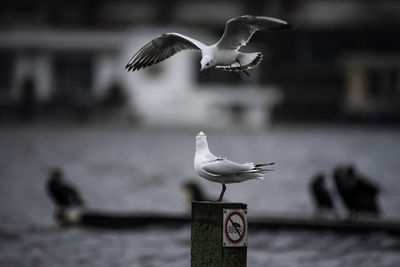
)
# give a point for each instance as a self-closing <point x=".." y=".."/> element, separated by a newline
<point x="238" y="31"/>
<point x="161" y="48"/>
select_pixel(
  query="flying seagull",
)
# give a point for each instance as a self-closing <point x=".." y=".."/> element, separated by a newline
<point x="224" y="54"/>
<point x="221" y="170"/>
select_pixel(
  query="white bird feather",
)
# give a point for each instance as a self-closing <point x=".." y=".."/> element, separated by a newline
<point x="224" y="54"/>
<point x="222" y="170"/>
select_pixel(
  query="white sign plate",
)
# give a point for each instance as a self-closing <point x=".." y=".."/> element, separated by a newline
<point x="234" y="232"/>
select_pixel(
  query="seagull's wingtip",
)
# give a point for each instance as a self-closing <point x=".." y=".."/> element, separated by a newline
<point x="129" y="67"/>
<point x="288" y="26"/>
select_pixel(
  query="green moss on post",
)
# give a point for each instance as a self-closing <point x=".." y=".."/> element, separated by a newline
<point x="206" y="237"/>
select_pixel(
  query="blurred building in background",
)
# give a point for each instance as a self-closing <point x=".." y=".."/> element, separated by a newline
<point x="67" y="58"/>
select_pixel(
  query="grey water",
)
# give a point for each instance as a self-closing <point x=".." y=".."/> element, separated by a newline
<point x="121" y="169"/>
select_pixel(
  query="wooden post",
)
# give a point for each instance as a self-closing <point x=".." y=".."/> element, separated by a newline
<point x="207" y="240"/>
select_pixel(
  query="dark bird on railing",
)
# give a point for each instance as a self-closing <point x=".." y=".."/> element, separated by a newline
<point x="63" y="194"/>
<point x="365" y="192"/>
<point x="322" y="199"/>
<point x="193" y="192"/>
<point x="359" y="195"/>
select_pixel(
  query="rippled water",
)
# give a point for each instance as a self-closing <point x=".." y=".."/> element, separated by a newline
<point x="158" y="247"/>
<point x="124" y="169"/>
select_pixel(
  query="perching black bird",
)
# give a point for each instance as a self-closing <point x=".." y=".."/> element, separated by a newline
<point x="320" y="195"/>
<point x="365" y="193"/>
<point x="193" y="192"/>
<point x="345" y="188"/>
<point x="63" y="194"/>
<point x="358" y="194"/>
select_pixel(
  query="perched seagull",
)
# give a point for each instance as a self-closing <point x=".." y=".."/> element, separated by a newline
<point x="222" y="170"/>
<point x="224" y="54"/>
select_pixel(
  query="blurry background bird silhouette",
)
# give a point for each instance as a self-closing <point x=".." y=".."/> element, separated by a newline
<point x="359" y="194"/>
<point x="63" y="194"/>
<point x="193" y="192"/>
<point x="321" y="196"/>
<point x="66" y="198"/>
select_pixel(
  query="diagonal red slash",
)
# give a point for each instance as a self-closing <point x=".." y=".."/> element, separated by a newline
<point x="236" y="229"/>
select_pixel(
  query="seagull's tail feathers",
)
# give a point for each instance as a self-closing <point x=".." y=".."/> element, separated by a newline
<point x="250" y="60"/>
<point x="261" y="167"/>
<point x="264" y="164"/>
<point x="258" y="176"/>
<point x="257" y="171"/>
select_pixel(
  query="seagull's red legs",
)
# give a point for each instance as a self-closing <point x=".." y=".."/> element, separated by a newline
<point x="222" y="193"/>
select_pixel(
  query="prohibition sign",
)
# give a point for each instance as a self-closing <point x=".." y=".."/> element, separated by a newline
<point x="235" y="227"/>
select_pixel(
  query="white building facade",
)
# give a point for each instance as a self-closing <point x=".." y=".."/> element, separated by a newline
<point x="80" y="67"/>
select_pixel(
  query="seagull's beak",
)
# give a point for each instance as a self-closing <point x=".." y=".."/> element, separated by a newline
<point x="201" y="69"/>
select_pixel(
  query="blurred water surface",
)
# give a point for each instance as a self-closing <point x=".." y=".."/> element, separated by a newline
<point x="122" y="169"/>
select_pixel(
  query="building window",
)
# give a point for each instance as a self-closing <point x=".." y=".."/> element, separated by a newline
<point x="73" y="76"/>
<point x="384" y="83"/>
<point x="6" y="69"/>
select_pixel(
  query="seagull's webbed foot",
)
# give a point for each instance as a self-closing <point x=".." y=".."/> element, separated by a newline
<point x="241" y="67"/>
<point x="234" y="72"/>
<point x="222" y="194"/>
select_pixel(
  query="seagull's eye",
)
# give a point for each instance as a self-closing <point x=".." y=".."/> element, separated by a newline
<point x="208" y="64"/>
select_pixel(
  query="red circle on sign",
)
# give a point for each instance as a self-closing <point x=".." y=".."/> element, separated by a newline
<point x="229" y="219"/>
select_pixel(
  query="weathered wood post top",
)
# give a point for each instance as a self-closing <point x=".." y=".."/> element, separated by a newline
<point x="219" y="234"/>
